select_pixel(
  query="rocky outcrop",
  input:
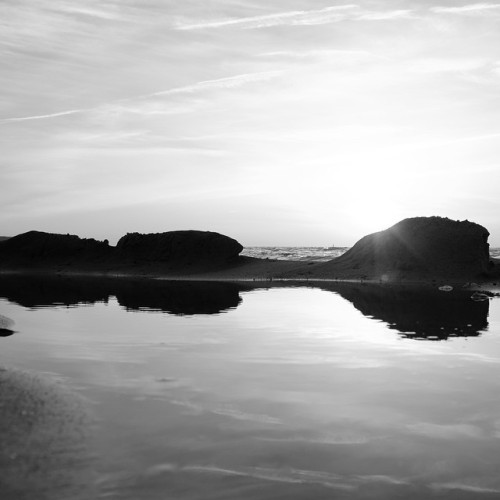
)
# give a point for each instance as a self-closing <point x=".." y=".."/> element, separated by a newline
<point x="186" y="251"/>
<point x="37" y="249"/>
<point x="179" y="247"/>
<point x="420" y="247"/>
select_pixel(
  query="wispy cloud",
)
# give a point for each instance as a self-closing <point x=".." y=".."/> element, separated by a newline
<point x="326" y="15"/>
<point x="110" y="13"/>
<point x="46" y="27"/>
<point x="447" y="65"/>
<point x="469" y="9"/>
<point x="446" y="431"/>
<point x="224" y="83"/>
<point x="322" y="53"/>
<point x="230" y="82"/>
<point x="292" y="476"/>
<point x="385" y="15"/>
<point x="465" y="487"/>
<point x="42" y="117"/>
<point x="298" y="17"/>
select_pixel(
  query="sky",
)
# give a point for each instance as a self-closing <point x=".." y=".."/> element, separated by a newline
<point x="274" y="122"/>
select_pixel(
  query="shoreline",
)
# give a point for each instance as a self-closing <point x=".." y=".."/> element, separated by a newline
<point x="259" y="272"/>
<point x="415" y="250"/>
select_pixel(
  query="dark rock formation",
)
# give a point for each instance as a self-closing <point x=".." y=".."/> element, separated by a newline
<point x="420" y="247"/>
<point x="179" y="247"/>
<point x="187" y="251"/>
<point x="38" y="249"/>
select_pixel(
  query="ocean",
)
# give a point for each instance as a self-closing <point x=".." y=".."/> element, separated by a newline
<point x="317" y="254"/>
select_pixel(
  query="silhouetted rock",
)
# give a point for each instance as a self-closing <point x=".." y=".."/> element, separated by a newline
<point x="189" y="251"/>
<point x="420" y="247"/>
<point x="179" y="247"/>
<point x="38" y="249"/>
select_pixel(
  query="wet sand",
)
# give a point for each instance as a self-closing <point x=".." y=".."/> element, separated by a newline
<point x="45" y="432"/>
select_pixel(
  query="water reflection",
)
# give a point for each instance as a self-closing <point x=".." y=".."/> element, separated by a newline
<point x="180" y="298"/>
<point x="293" y="394"/>
<point x="414" y="312"/>
<point x="422" y="313"/>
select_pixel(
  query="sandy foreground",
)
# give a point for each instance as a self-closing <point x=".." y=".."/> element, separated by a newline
<point x="45" y="433"/>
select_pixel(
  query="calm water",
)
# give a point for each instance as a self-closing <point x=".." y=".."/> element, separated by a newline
<point x="221" y="391"/>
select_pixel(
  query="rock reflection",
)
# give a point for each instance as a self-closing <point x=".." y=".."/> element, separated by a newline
<point x="179" y="298"/>
<point x="46" y="291"/>
<point x="421" y="313"/>
<point x="415" y="312"/>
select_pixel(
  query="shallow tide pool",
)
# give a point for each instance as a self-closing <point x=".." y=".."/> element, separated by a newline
<point x="224" y="391"/>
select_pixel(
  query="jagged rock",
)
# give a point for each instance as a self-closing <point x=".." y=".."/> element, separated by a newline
<point x="420" y="247"/>
<point x="179" y="247"/>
